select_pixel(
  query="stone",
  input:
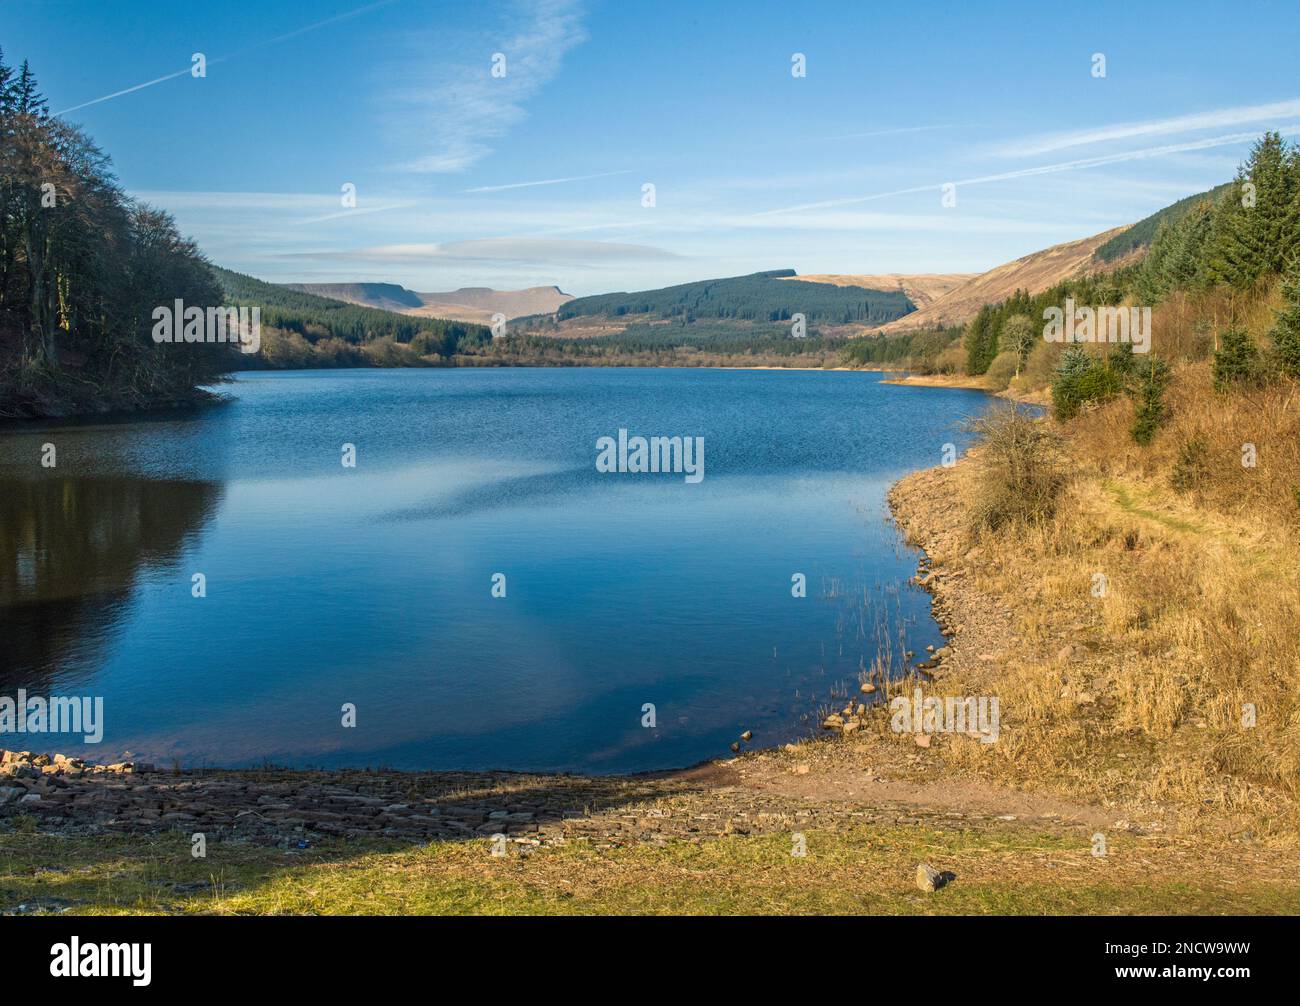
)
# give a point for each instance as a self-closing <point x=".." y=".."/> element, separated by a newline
<point x="748" y="735"/>
<point x="922" y="740"/>
<point x="867" y="689"/>
<point x="929" y="879"/>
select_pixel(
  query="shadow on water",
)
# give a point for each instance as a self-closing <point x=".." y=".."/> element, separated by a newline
<point x="71" y="553"/>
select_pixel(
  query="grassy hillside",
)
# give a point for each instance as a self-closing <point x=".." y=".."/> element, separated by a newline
<point x="1034" y="273"/>
<point x="760" y="297"/>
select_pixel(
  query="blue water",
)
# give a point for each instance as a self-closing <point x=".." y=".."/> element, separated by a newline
<point x="372" y="585"/>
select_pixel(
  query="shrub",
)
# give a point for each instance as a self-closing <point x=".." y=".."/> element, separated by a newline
<point x="1192" y="468"/>
<point x="1236" y="361"/>
<point x="1022" y="475"/>
<point x="951" y="361"/>
<point x="1081" y="378"/>
<point x="1002" y="370"/>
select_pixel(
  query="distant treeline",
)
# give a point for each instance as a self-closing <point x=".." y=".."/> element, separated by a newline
<point x="82" y="269"/>
<point x="302" y="330"/>
<point x="760" y="297"/>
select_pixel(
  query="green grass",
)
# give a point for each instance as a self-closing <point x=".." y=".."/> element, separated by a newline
<point x="867" y="870"/>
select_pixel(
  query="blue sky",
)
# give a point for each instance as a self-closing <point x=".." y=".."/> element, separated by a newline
<point x="535" y="178"/>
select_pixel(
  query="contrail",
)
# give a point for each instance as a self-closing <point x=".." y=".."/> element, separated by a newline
<point x="1177" y="124"/>
<point x="884" y="132"/>
<point x="1045" y="169"/>
<point x="239" y="52"/>
<point x="545" y="181"/>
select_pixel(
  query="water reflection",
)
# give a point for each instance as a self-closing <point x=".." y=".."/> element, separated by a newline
<point x="72" y="551"/>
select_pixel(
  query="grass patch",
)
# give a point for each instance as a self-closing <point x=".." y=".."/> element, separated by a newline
<point x="1000" y="870"/>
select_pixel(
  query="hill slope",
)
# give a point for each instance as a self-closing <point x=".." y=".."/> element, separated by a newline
<point x="1035" y="272"/>
<point x="758" y="297"/>
<point x="473" y="304"/>
<point x="922" y="289"/>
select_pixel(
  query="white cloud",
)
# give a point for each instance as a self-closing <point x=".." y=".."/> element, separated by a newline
<point x="456" y="107"/>
<point x="538" y="251"/>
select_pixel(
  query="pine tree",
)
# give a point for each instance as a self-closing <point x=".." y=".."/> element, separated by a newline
<point x="1253" y="231"/>
<point x="1286" y="331"/>
<point x="981" y="342"/>
<point x="1150" y="411"/>
<point x="1236" y="361"/>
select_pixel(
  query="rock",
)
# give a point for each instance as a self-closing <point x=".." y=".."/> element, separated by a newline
<point x="850" y="726"/>
<point x="735" y="747"/>
<point x="922" y="740"/>
<point x="930" y="880"/>
<point x="1066" y="653"/>
<point x="943" y="651"/>
<point x="832" y="722"/>
<point x="867" y="688"/>
<point x="748" y="735"/>
<point x="30" y="798"/>
<point x="929" y="648"/>
<point x="8" y="793"/>
<point x="801" y="768"/>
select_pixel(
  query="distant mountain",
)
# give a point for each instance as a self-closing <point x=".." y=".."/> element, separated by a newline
<point x="474" y="304"/>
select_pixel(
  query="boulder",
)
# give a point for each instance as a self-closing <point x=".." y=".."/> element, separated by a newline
<point x="930" y="880"/>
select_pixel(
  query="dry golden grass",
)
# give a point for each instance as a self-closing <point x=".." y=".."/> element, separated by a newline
<point x="1196" y="630"/>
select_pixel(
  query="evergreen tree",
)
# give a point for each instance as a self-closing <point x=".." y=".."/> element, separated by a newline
<point x="1286" y="330"/>
<point x="981" y="342"/>
<point x="1254" y="232"/>
<point x="1148" y="390"/>
<point x="1236" y="361"/>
